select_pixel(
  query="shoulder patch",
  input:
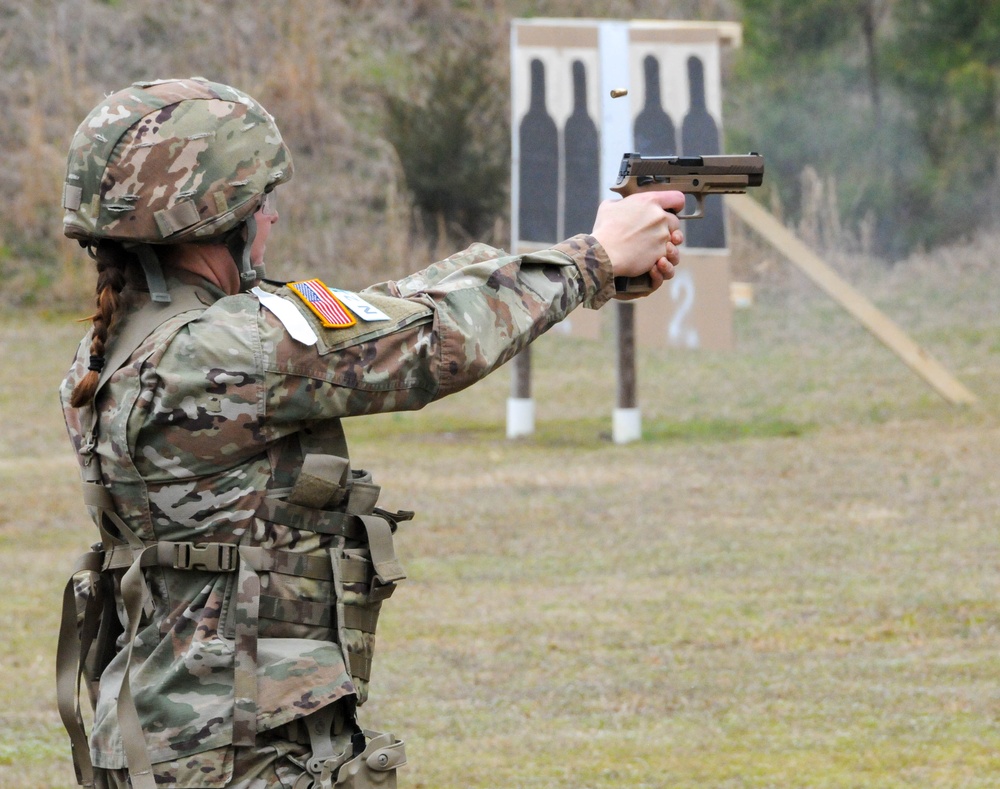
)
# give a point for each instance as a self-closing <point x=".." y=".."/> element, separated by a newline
<point x="320" y="299"/>
<point x="293" y="320"/>
<point x="360" y="307"/>
<point x="400" y="313"/>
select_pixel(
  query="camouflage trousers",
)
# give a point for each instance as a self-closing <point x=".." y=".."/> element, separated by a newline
<point x="262" y="767"/>
<point x="275" y="762"/>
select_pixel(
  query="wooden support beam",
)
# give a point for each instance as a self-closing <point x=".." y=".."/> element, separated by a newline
<point x="785" y="242"/>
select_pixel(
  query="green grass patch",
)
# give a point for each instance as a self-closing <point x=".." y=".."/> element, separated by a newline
<point x="722" y="429"/>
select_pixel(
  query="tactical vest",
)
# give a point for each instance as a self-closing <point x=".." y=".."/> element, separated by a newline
<point x="332" y="595"/>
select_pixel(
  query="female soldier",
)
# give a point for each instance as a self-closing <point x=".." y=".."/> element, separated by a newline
<point x="225" y="623"/>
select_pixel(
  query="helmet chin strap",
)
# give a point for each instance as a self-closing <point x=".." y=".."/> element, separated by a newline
<point x="153" y="270"/>
<point x="239" y="247"/>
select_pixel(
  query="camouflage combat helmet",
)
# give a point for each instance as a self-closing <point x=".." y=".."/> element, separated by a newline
<point x="170" y="161"/>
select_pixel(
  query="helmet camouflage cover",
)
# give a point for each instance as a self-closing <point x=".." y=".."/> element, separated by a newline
<point x="169" y="161"/>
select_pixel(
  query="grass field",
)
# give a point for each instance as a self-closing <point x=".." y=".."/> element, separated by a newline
<point x="793" y="581"/>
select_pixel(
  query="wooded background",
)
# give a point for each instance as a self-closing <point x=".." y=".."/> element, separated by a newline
<point x="879" y="118"/>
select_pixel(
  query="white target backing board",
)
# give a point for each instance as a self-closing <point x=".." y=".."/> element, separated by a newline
<point x="569" y="136"/>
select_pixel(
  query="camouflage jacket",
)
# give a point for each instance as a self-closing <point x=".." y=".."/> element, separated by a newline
<point x="203" y="420"/>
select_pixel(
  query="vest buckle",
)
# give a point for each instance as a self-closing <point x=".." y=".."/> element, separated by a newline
<point x="213" y="557"/>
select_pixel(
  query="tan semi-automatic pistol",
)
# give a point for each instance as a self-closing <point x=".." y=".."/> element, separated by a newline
<point x="693" y="175"/>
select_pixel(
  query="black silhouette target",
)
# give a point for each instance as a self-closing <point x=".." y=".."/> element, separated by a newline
<point x="699" y="137"/>
<point x="539" y="169"/>
<point x="582" y="168"/>
<point x="654" y="130"/>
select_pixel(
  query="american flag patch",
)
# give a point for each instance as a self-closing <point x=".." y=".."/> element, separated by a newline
<point x="320" y="300"/>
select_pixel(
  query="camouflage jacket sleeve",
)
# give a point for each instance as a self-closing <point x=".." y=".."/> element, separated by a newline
<point x="450" y="325"/>
<point x="576" y="249"/>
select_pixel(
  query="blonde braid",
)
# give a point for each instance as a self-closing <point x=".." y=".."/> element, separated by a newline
<point x="112" y="267"/>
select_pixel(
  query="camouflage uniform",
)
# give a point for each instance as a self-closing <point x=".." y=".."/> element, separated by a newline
<point x="206" y="420"/>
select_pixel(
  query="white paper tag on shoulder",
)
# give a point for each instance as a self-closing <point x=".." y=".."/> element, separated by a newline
<point x="360" y="307"/>
<point x="289" y="315"/>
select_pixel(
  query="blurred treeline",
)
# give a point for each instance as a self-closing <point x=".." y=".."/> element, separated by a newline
<point x="878" y="117"/>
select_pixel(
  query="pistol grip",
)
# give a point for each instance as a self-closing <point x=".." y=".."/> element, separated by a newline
<point x="641" y="284"/>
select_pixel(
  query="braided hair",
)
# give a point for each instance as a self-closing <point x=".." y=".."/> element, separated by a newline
<point x="115" y="269"/>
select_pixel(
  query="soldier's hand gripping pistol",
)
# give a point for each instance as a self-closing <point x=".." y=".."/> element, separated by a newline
<point x="693" y="175"/>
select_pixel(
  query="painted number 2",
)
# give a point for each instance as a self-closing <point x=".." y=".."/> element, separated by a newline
<point x="682" y="293"/>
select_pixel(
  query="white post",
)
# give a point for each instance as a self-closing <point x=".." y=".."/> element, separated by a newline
<point x="626" y="425"/>
<point x="520" y="417"/>
<point x="520" y="404"/>
<point x="616" y="140"/>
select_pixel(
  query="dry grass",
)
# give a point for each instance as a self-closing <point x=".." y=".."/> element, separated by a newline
<point x="793" y="581"/>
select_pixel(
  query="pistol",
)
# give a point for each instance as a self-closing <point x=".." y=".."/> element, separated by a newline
<point x="694" y="175"/>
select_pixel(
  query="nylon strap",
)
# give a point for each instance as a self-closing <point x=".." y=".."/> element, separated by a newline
<point x="97" y="496"/>
<point x="324" y="438"/>
<point x="388" y="570"/>
<point x="363" y="619"/>
<point x="322" y="480"/>
<point x="134" y="591"/>
<point x="360" y="665"/>
<point x="245" y="680"/>
<point x="305" y="612"/>
<point x="316" y="613"/>
<point x="337" y="524"/>
<point x="69" y="667"/>
<point x="173" y="220"/>
<point x="72" y="197"/>
<point x="151" y="267"/>
<point x="288" y="563"/>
